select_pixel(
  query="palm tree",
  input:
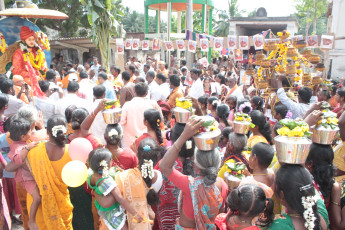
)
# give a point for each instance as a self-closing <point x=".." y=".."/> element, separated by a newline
<point x="224" y="16"/>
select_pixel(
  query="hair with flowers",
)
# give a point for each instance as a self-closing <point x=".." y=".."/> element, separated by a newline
<point x="245" y="105"/>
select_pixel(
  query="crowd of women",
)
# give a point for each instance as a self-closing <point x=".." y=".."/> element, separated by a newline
<point x="162" y="180"/>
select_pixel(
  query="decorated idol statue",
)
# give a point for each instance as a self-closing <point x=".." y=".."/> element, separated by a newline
<point x="29" y="60"/>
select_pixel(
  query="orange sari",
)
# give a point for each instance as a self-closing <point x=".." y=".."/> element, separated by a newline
<point x="134" y="190"/>
<point x="55" y="211"/>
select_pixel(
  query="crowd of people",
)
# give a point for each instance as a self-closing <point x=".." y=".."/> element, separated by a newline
<point x="146" y="172"/>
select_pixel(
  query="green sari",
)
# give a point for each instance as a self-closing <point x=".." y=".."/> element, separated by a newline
<point x="284" y="222"/>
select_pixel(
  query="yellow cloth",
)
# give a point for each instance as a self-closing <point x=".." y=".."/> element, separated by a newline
<point x="225" y="168"/>
<point x="55" y="211"/>
<point x="134" y="190"/>
<point x="339" y="152"/>
<point x="255" y="139"/>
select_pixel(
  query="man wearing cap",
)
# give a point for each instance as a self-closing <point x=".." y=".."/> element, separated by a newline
<point x="28" y="39"/>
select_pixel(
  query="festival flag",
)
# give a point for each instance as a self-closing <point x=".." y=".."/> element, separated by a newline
<point x="119" y="46"/>
<point x="258" y="42"/>
<point x="169" y="46"/>
<point x="327" y="41"/>
<point x="243" y="42"/>
<point x="135" y="45"/>
<point x="129" y="43"/>
<point x="192" y="46"/>
<point x="312" y="41"/>
<point x="232" y="42"/>
<point x="204" y="44"/>
<point x="180" y="45"/>
<point x="145" y="44"/>
<point x="238" y="55"/>
<point x="156" y="44"/>
<point x="218" y="44"/>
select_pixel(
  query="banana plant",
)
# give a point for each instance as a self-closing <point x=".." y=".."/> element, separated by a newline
<point x="103" y="26"/>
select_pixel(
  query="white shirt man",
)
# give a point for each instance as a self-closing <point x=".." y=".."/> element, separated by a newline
<point x="72" y="99"/>
<point x="155" y="93"/>
<point x="86" y="86"/>
<point x="197" y="89"/>
<point x="14" y="104"/>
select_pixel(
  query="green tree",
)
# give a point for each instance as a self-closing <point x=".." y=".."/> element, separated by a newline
<point x="311" y="13"/>
<point x="103" y="25"/>
<point x="223" y="22"/>
<point x="134" y="22"/>
<point x="68" y="27"/>
<point x="252" y="13"/>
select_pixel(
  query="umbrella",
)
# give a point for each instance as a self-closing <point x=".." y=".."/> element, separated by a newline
<point x="33" y="13"/>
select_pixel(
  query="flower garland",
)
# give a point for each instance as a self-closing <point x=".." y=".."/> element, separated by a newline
<point x="308" y="202"/>
<point x="43" y="39"/>
<point x="3" y="43"/>
<point x="147" y="169"/>
<point x="37" y="62"/>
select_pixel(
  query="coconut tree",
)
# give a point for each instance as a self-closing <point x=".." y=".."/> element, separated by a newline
<point x="103" y="25"/>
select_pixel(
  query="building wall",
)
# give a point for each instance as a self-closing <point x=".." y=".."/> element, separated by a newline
<point x="338" y="54"/>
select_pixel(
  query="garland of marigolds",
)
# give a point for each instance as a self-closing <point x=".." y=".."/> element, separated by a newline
<point x="43" y="39"/>
<point x="27" y="55"/>
<point x="3" y="43"/>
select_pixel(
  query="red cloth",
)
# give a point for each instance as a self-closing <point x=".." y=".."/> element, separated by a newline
<point x="26" y="32"/>
<point x="127" y="159"/>
<point x="25" y="69"/>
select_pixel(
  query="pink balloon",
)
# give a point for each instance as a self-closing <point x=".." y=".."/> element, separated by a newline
<point x="79" y="149"/>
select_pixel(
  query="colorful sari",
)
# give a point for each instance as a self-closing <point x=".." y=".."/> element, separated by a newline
<point x="167" y="210"/>
<point x="5" y="219"/>
<point x="342" y="195"/>
<point x="134" y="190"/>
<point x="207" y="200"/>
<point x="55" y="211"/>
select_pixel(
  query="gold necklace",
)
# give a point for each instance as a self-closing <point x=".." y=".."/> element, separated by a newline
<point x="263" y="174"/>
<point x="295" y="215"/>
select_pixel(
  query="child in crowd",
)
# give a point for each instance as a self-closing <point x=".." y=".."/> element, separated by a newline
<point x="20" y="133"/>
<point x="231" y="102"/>
<point x="114" y="215"/>
<point x="247" y="203"/>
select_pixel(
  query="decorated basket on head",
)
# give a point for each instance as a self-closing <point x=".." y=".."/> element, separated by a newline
<point x="111" y="114"/>
<point x="183" y="110"/>
<point x="326" y="129"/>
<point x="292" y="144"/>
<point x="208" y="135"/>
<point x="234" y="174"/>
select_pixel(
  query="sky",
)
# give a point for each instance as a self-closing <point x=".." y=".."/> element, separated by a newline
<point x="274" y="8"/>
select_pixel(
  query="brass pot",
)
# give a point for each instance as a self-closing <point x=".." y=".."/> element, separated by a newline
<point x="272" y="45"/>
<point x="266" y="63"/>
<point x="314" y="58"/>
<point x="250" y="71"/>
<point x="259" y="56"/>
<point x="112" y="116"/>
<point x="300" y="44"/>
<point x="291" y="52"/>
<point x="316" y="80"/>
<point x="320" y="67"/>
<point x="307" y="53"/>
<point x="291" y="69"/>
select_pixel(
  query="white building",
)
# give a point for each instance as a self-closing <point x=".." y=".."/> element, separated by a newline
<point x="337" y="55"/>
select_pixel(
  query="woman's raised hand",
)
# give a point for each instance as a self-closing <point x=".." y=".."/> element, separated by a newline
<point x="192" y="127"/>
